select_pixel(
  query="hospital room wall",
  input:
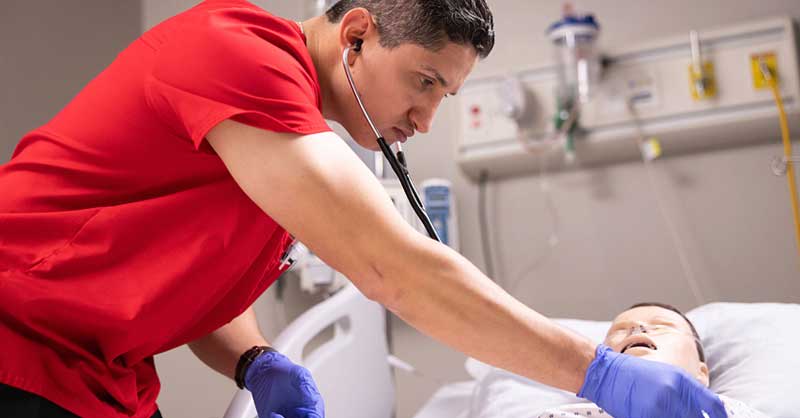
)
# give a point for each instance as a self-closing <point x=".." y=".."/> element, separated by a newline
<point x="49" y="50"/>
<point x="614" y="250"/>
<point x="731" y="212"/>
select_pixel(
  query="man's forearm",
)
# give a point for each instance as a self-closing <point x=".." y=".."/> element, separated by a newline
<point x="221" y="349"/>
<point x="345" y="216"/>
<point x="446" y="297"/>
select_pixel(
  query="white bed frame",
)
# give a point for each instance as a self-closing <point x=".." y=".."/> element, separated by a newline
<point x="351" y="369"/>
<point x="355" y="378"/>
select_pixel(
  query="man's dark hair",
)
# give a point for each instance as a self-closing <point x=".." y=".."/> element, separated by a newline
<point x="428" y="23"/>
<point x="697" y="343"/>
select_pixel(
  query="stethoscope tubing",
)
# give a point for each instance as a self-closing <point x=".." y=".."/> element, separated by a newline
<point x="399" y="167"/>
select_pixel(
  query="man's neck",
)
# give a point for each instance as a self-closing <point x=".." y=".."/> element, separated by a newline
<point x="322" y="44"/>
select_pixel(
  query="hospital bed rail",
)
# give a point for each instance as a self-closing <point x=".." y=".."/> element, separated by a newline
<point x="351" y="369"/>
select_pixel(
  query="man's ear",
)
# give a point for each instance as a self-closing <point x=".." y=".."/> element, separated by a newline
<point x="356" y="24"/>
<point x="702" y="374"/>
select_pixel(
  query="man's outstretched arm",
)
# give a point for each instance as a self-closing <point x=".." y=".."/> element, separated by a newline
<point x="317" y="189"/>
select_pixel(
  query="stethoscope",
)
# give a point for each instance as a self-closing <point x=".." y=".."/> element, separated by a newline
<point x="398" y="163"/>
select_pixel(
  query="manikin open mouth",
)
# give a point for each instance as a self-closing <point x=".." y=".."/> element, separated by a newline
<point x="639" y="344"/>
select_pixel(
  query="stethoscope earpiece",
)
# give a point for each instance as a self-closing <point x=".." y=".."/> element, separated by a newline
<point x="357" y="45"/>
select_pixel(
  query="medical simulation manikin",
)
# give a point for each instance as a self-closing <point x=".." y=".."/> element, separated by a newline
<point x="659" y="333"/>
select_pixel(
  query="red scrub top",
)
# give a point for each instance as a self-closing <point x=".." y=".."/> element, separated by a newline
<point x="122" y="234"/>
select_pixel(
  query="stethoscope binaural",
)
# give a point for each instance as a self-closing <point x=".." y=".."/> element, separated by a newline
<point x="398" y="163"/>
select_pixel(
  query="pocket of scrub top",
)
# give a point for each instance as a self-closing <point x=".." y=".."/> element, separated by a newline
<point x="53" y="233"/>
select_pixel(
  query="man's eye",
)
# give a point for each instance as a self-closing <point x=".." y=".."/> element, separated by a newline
<point x="427" y="82"/>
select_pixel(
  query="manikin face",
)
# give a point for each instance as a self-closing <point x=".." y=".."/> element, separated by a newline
<point x="657" y="334"/>
<point x="401" y="87"/>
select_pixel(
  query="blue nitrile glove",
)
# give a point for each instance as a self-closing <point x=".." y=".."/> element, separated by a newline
<point x="629" y="387"/>
<point x="282" y="389"/>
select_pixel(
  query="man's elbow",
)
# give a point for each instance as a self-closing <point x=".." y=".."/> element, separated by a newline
<point x="394" y="284"/>
<point x="377" y="285"/>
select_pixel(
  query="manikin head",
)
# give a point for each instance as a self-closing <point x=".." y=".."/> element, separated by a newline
<point x="662" y="333"/>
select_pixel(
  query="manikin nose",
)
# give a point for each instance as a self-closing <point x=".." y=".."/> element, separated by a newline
<point x="638" y="329"/>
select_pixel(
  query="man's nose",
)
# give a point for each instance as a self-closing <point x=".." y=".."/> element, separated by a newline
<point x="422" y="116"/>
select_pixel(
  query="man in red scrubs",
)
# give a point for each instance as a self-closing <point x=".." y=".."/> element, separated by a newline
<point x="154" y="208"/>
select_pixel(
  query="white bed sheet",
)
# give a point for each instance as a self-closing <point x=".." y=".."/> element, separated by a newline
<point x="451" y="401"/>
<point x="751" y="348"/>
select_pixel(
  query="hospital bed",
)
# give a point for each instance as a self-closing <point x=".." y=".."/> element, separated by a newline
<point x="752" y="351"/>
<point x="350" y="368"/>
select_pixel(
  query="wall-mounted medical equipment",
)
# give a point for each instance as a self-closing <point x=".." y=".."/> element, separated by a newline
<point x="317" y="277"/>
<point x="439" y="201"/>
<point x="576" y="56"/>
<point x="577" y="60"/>
<point x="441" y="205"/>
<point x="656" y="79"/>
<point x="767" y="76"/>
<point x="701" y="71"/>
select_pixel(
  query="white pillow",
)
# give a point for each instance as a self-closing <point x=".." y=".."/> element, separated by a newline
<point x="752" y="350"/>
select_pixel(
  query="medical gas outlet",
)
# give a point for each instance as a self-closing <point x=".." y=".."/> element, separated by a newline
<point x="769" y="59"/>
<point x="702" y="83"/>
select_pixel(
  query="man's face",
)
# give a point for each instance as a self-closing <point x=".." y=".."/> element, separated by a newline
<point x="657" y="334"/>
<point x="402" y="87"/>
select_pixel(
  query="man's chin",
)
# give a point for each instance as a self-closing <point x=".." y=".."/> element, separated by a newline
<point x="371" y="144"/>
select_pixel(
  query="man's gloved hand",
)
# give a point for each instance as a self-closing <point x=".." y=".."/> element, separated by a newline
<point x="282" y="389"/>
<point x="630" y="387"/>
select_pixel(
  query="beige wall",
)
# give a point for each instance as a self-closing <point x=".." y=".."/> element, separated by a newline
<point x="731" y="212"/>
<point x="154" y="11"/>
<point x="49" y="50"/>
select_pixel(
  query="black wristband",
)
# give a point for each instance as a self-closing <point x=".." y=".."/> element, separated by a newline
<point x="246" y="359"/>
